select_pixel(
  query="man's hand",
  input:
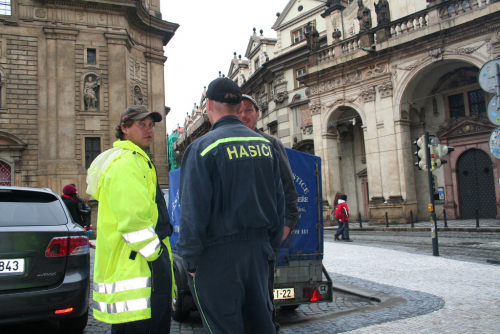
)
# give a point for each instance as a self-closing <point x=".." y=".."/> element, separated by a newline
<point x="192" y="274"/>
<point x="286" y="231"/>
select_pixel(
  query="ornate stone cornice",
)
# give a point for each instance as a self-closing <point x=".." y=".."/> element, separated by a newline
<point x="118" y="39"/>
<point x="155" y="58"/>
<point x="56" y="33"/>
<point x="134" y="9"/>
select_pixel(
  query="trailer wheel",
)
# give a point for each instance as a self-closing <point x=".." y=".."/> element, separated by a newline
<point x="181" y="284"/>
<point x="289" y="308"/>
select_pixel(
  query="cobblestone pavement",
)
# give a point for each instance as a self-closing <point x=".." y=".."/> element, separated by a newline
<point x="423" y="294"/>
<point x="478" y="246"/>
<point x="469" y="291"/>
<point x="452" y="224"/>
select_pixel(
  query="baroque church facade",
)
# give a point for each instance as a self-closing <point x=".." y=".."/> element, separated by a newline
<point x="68" y="69"/>
<point x="357" y="82"/>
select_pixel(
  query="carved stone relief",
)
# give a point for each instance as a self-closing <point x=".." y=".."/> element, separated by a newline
<point x="91" y="86"/>
<point x="40" y="13"/>
<point x="138" y="97"/>
<point x="263" y="103"/>
<point x="279" y="77"/>
<point x="368" y="94"/>
<point x="385" y="89"/>
<point x="315" y="107"/>
<point x="136" y="70"/>
<point x="375" y="69"/>
<point x="436" y="54"/>
<point x="352" y="77"/>
<point x="468" y="127"/>
<point x="280" y="97"/>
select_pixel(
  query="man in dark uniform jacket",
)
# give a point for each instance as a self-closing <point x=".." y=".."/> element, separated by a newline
<point x="232" y="217"/>
<point x="249" y="114"/>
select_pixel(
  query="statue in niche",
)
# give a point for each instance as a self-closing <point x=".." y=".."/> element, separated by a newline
<point x="90" y="92"/>
<point x="364" y="17"/>
<point x="138" y="98"/>
<point x="383" y="13"/>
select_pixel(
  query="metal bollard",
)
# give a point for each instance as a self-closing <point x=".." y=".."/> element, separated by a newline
<point x="386" y="220"/>
<point x="477" y="217"/>
<point x="411" y="219"/>
<point x="360" y="221"/>
<point x="445" y="220"/>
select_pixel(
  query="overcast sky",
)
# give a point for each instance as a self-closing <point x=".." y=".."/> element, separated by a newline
<point x="208" y="35"/>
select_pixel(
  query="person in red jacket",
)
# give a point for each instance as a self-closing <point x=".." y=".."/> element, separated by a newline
<point x="342" y="214"/>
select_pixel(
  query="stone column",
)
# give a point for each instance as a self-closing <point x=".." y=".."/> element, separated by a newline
<point x="118" y="74"/>
<point x="156" y="83"/>
<point x="332" y="169"/>
<point x="404" y="145"/>
<point x="372" y="154"/>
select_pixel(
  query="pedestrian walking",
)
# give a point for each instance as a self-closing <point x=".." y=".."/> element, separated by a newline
<point x="232" y="217"/>
<point x="340" y="228"/>
<point x="84" y="208"/>
<point x="133" y="269"/>
<point x="249" y="114"/>
<point x="342" y="214"/>
<point x="72" y="203"/>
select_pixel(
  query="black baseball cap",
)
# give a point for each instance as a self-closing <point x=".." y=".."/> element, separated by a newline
<point x="251" y="99"/>
<point x="220" y="88"/>
<point x="139" y="112"/>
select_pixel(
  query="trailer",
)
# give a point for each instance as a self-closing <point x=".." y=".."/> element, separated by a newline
<point x="300" y="277"/>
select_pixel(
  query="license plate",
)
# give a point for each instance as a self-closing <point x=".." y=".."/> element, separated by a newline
<point x="11" y="266"/>
<point x="288" y="293"/>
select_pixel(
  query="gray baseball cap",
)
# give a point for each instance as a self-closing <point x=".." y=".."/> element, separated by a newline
<point x="139" y="112"/>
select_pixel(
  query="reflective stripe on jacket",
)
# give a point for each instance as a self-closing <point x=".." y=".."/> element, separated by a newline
<point x="123" y="180"/>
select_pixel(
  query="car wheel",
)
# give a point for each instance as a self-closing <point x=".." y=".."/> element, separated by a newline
<point x="177" y="303"/>
<point x="74" y="325"/>
<point x="289" y="308"/>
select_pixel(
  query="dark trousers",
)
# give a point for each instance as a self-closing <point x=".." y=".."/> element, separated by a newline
<point x="231" y="287"/>
<point x="270" y="286"/>
<point x="161" y="301"/>
<point x="343" y="229"/>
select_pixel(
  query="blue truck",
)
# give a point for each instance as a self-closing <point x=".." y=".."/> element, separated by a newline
<point x="300" y="277"/>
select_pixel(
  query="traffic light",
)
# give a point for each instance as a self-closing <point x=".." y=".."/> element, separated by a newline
<point x="420" y="153"/>
<point x="439" y="152"/>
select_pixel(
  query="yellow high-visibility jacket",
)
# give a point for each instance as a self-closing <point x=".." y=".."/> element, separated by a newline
<point x="123" y="180"/>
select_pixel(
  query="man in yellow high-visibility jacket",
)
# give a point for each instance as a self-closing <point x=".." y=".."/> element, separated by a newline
<point x="133" y="264"/>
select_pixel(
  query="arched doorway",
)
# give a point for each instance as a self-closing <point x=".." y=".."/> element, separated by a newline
<point x="346" y="159"/>
<point x="476" y="185"/>
<point x="5" y="174"/>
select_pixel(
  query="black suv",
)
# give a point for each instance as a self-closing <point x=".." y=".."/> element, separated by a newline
<point x="44" y="260"/>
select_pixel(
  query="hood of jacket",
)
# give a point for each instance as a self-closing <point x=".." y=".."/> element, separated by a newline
<point x="103" y="162"/>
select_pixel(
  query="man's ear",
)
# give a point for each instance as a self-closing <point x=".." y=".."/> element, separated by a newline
<point x="258" y="114"/>
<point x="124" y="129"/>
<point x="209" y="104"/>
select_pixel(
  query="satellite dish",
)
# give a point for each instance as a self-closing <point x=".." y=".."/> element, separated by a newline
<point x="494" y="143"/>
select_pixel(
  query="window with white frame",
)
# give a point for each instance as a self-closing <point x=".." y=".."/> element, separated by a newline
<point x="300" y="73"/>
<point x="5" y="7"/>
<point x="257" y="64"/>
<point x="297" y="36"/>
